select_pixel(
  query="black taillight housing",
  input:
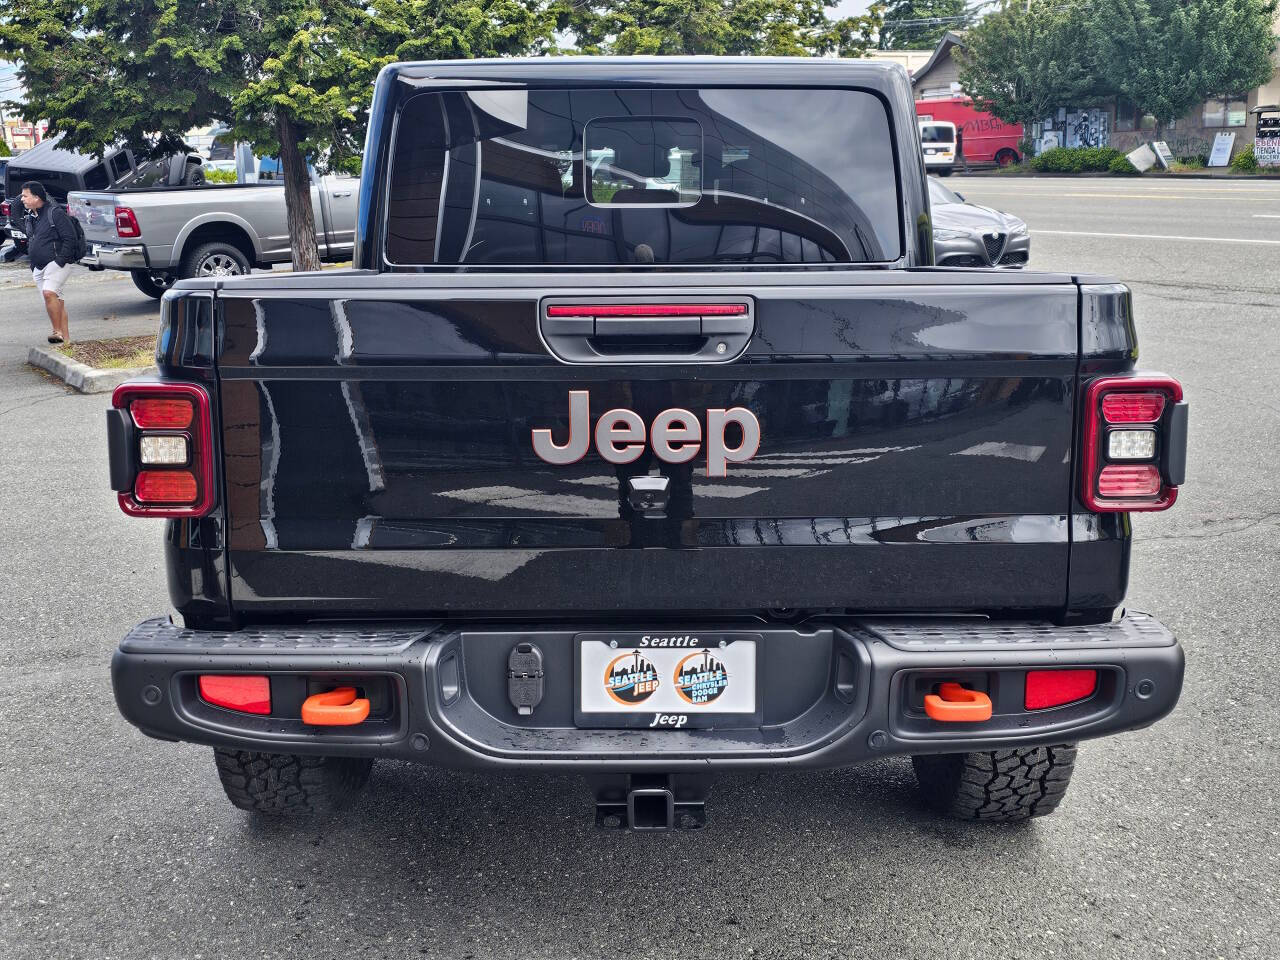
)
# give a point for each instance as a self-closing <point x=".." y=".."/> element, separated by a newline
<point x="160" y="439"/>
<point x="1134" y="443"/>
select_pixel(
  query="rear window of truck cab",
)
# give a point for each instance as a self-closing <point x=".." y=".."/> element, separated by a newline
<point x="636" y="177"/>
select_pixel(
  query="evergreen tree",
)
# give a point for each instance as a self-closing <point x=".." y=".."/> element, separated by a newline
<point x="920" y="24"/>
<point x="719" y="27"/>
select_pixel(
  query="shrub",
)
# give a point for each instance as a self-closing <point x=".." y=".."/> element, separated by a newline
<point x="1122" y="165"/>
<point x="1195" y="160"/>
<point x="219" y="176"/>
<point x="1245" y="161"/>
<point x="1076" y="159"/>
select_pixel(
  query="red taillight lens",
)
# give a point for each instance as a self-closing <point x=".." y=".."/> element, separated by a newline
<point x="127" y="223"/>
<point x="169" y="417"/>
<point x="246" y="693"/>
<point x="161" y="413"/>
<point x="1053" y="688"/>
<point x="1132" y="407"/>
<point x="4" y="209"/>
<point x="1129" y="480"/>
<point x="1123" y="468"/>
<point x="647" y="310"/>
<point x="166" y="486"/>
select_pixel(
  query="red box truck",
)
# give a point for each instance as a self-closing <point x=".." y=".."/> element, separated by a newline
<point x="987" y="139"/>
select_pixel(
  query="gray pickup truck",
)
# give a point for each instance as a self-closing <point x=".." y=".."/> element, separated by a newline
<point x="163" y="234"/>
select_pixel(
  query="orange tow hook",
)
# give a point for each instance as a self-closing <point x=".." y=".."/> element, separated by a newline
<point x="956" y="704"/>
<point x="335" y="708"/>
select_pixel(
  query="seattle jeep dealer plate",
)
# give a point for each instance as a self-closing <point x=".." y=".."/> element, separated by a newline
<point x="667" y="680"/>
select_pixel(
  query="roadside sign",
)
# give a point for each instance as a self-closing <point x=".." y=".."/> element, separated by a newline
<point x="1222" y="144"/>
<point x="1163" y="153"/>
<point x="1143" y="159"/>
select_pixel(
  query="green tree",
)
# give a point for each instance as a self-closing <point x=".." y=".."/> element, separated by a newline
<point x="4" y="148"/>
<point x="920" y="24"/>
<point x="1023" y="62"/>
<point x="291" y="77"/>
<point x="718" y="27"/>
<point x="1169" y="56"/>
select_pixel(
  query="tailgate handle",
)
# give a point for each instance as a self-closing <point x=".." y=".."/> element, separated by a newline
<point x="648" y="331"/>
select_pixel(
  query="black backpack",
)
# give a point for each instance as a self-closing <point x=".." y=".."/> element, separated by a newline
<point x="82" y="245"/>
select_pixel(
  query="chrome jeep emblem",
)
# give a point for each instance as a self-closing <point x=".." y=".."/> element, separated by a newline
<point x="676" y="436"/>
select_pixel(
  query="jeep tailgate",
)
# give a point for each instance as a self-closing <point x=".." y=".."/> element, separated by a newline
<point x="915" y="452"/>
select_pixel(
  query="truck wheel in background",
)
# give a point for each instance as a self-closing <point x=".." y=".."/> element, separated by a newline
<point x="216" y="259"/>
<point x="151" y="283"/>
<point x="941" y="171"/>
<point x="997" y="786"/>
<point x="290" y="785"/>
<point x="1007" y="158"/>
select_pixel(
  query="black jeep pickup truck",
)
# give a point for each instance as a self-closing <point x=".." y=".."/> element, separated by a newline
<point x="643" y="440"/>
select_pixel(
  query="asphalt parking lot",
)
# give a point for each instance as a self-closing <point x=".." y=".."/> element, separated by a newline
<point x="116" y="846"/>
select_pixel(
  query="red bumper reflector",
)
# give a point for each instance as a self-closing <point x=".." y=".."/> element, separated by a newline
<point x="243" y="692"/>
<point x="1132" y="407"/>
<point x="165" y="486"/>
<point x="1119" y="480"/>
<point x="161" y="413"/>
<point x="647" y="310"/>
<point x="1053" y="688"/>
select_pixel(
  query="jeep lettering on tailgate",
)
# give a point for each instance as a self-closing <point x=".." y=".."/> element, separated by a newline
<point x="676" y="436"/>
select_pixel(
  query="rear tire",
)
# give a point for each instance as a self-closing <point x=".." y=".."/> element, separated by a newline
<point x="152" y="284"/>
<point x="1007" y="158"/>
<point x="216" y="259"/>
<point x="290" y="785"/>
<point x="943" y="171"/>
<point x="997" y="786"/>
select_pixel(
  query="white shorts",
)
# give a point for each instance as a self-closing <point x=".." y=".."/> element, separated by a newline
<point x="51" y="277"/>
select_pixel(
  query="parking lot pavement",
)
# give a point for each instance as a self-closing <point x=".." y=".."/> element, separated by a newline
<point x="116" y="846"/>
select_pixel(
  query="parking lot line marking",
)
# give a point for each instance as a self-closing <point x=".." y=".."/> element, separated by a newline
<point x="1155" y="236"/>
<point x="1266" y="216"/>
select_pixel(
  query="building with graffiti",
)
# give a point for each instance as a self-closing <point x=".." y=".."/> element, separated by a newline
<point x="1116" y="122"/>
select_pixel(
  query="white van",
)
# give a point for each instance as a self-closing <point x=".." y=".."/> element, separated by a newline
<point x="938" y="141"/>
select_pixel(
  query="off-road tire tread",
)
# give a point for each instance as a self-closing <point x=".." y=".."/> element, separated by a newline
<point x="997" y="786"/>
<point x="288" y="784"/>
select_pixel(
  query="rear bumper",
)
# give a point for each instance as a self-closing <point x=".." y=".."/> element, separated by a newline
<point x="832" y="694"/>
<point x="114" y="257"/>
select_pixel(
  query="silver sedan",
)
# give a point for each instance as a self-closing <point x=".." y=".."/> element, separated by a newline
<point x="968" y="235"/>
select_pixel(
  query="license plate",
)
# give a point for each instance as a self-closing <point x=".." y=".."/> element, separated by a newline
<point x="17" y="234"/>
<point x="667" y="681"/>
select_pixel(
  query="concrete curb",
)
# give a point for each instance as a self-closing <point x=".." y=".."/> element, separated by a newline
<point x="1259" y="177"/>
<point x="80" y="376"/>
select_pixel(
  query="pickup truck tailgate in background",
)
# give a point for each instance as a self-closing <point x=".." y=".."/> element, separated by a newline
<point x="915" y="454"/>
<point x="97" y="215"/>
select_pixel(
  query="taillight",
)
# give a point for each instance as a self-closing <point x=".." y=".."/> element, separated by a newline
<point x="4" y="209"/>
<point x="162" y="449"/>
<point x="1134" y="443"/>
<point x="127" y="223"/>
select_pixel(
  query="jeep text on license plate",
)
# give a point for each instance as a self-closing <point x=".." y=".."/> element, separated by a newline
<point x="667" y="680"/>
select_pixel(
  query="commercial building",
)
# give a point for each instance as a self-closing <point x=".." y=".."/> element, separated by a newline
<point x="1115" y="122"/>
